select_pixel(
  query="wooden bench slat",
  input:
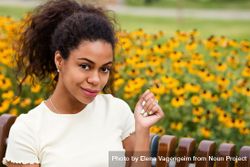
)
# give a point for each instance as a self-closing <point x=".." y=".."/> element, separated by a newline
<point x="6" y="121"/>
<point x="205" y="150"/>
<point x="225" y="150"/>
<point x="154" y="140"/>
<point x="166" y="148"/>
<point x="185" y="149"/>
<point x="244" y="152"/>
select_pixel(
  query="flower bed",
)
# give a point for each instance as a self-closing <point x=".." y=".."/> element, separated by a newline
<point x="203" y="85"/>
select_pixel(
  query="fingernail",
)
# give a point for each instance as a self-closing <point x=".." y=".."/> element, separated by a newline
<point x="150" y="113"/>
<point x="143" y="103"/>
<point x="142" y="111"/>
<point x="145" y="114"/>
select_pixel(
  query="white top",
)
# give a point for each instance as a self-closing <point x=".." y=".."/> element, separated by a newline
<point x="83" y="139"/>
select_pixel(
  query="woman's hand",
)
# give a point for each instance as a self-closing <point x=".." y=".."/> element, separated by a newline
<point x="147" y="111"/>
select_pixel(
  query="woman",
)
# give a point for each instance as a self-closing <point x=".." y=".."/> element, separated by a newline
<point x="77" y="125"/>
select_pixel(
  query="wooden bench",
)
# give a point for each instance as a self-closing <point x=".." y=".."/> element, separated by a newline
<point x="164" y="152"/>
<point x="186" y="154"/>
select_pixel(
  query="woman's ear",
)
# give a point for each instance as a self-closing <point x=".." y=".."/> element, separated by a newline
<point x="58" y="60"/>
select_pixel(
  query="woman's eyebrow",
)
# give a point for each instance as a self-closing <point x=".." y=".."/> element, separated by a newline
<point x="86" y="60"/>
<point x="90" y="61"/>
<point x="110" y="62"/>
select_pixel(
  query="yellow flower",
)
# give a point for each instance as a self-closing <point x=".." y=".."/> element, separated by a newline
<point x="230" y="123"/>
<point x="178" y="91"/>
<point x="179" y="64"/>
<point x="158" y="49"/>
<point x="226" y="94"/>
<point x="238" y="110"/>
<point x="125" y="43"/>
<point x="232" y="61"/>
<point x="198" y="111"/>
<point x="209" y="44"/>
<point x="195" y="100"/>
<point x="181" y="36"/>
<point x="202" y="73"/>
<point x="8" y="95"/>
<point x="221" y="67"/>
<point x="38" y="101"/>
<point x="222" y="82"/>
<point x="132" y="60"/>
<point x="175" y="55"/>
<point x="170" y="83"/>
<point x="246" y="72"/>
<point x="176" y="126"/>
<point x="232" y="43"/>
<point x="191" y="46"/>
<point x="117" y="83"/>
<point x="155" y="62"/>
<point x="206" y="94"/>
<point x="13" y="111"/>
<point x="245" y="131"/>
<point x="226" y="120"/>
<point x="215" y="53"/>
<point x="194" y="33"/>
<point x="150" y="72"/>
<point x="178" y="101"/>
<point x="140" y="51"/>
<point x="246" y="91"/>
<point x="196" y="119"/>
<point x="190" y="87"/>
<point x="133" y="73"/>
<point x="4" y="106"/>
<point x="16" y="101"/>
<point x="214" y="98"/>
<point x="5" y="83"/>
<point x="147" y="43"/>
<point x="157" y="89"/>
<point x="245" y="43"/>
<point x="208" y="77"/>
<point x="205" y="132"/>
<point x="35" y="88"/>
<point x="219" y="110"/>
<point x="141" y="65"/>
<point x="25" y="102"/>
<point x="240" y="124"/>
<point x="157" y="130"/>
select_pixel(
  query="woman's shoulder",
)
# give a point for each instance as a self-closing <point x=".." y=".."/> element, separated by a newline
<point x="31" y="118"/>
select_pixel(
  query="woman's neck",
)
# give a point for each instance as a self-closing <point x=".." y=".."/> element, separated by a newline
<point x="62" y="102"/>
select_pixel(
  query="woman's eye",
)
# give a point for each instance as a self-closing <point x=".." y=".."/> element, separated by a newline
<point x="85" y="66"/>
<point x="106" y="69"/>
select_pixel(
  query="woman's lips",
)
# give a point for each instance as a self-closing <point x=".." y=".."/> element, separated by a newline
<point x="90" y="92"/>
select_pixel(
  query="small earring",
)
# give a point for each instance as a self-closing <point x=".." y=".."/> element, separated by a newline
<point x="58" y="70"/>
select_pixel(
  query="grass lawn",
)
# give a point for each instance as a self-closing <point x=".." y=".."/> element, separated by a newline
<point x="15" y="12"/>
<point x="207" y="4"/>
<point x="231" y="28"/>
<point x="237" y="29"/>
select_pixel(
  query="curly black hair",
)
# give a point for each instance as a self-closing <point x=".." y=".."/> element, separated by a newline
<point x="60" y="25"/>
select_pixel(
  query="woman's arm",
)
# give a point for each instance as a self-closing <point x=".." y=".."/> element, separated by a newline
<point x="147" y="113"/>
<point x="137" y="146"/>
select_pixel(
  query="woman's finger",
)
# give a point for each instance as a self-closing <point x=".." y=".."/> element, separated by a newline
<point x="149" y="105"/>
<point x="154" y="109"/>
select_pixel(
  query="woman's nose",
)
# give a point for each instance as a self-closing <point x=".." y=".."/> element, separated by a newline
<point x="94" y="78"/>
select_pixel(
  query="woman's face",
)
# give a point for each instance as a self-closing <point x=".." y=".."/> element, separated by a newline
<point x="86" y="71"/>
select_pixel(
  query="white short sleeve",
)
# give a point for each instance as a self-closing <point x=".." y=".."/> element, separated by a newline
<point x="129" y="121"/>
<point x="21" y="145"/>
